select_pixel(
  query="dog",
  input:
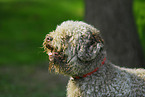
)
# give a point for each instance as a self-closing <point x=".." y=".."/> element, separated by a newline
<point x="76" y="49"/>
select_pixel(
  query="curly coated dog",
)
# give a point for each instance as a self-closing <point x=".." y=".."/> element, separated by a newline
<point x="76" y="49"/>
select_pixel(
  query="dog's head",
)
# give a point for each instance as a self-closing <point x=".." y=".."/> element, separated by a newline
<point x="73" y="47"/>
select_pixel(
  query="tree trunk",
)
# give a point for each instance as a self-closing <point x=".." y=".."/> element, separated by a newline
<point x="114" y="19"/>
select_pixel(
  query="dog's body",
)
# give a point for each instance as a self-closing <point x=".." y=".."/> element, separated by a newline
<point x="76" y="49"/>
<point x="110" y="81"/>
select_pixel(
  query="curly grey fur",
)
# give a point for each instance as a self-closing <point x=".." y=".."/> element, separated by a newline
<point x="76" y="48"/>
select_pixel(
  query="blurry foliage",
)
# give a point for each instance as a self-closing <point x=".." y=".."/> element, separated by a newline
<point x="24" y="24"/>
<point x="139" y="12"/>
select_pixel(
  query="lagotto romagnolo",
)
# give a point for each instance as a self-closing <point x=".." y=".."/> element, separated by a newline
<point x="76" y="49"/>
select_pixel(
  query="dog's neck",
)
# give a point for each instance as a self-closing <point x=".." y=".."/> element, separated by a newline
<point x="88" y="74"/>
<point x="90" y="67"/>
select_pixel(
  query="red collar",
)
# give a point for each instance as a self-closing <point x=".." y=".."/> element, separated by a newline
<point x="78" y="77"/>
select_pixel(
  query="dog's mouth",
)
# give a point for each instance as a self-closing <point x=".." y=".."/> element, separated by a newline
<point x="49" y="47"/>
<point x="56" y="58"/>
<point x="53" y="53"/>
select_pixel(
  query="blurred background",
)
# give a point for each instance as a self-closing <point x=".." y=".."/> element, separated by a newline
<point x="23" y="26"/>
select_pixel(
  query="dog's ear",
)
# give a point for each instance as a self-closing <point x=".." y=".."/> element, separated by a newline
<point x="89" y="46"/>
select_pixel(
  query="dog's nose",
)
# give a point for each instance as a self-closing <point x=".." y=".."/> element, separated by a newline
<point x="49" y="38"/>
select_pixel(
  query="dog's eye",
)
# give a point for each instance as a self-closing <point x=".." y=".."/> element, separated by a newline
<point x="49" y="38"/>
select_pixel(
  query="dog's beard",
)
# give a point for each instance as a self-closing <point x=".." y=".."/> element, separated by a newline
<point x="57" y="59"/>
<point x="58" y="63"/>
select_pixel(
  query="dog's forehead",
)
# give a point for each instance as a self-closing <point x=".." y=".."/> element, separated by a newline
<point x="69" y="32"/>
<point x="73" y="28"/>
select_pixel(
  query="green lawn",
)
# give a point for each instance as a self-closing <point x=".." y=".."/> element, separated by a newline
<point x="27" y="81"/>
<point x="23" y="26"/>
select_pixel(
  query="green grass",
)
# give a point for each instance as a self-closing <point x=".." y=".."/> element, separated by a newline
<point x="31" y="82"/>
<point x="24" y="24"/>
